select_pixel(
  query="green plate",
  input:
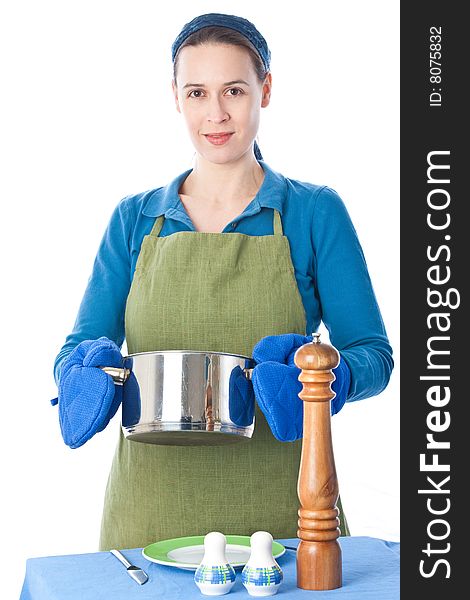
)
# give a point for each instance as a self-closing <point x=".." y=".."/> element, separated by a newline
<point x="187" y="552"/>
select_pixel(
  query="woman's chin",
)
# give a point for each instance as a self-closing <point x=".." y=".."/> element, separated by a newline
<point x="222" y="156"/>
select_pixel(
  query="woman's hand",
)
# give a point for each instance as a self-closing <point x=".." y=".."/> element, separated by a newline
<point x="277" y="386"/>
<point x="88" y="398"/>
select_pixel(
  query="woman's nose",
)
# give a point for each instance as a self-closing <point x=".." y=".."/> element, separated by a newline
<point x="217" y="112"/>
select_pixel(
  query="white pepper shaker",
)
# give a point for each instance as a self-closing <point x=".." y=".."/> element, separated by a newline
<point x="214" y="576"/>
<point x="261" y="575"/>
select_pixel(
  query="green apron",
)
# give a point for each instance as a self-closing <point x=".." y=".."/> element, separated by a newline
<point x="218" y="292"/>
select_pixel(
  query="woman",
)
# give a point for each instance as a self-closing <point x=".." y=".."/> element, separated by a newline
<point x="261" y="258"/>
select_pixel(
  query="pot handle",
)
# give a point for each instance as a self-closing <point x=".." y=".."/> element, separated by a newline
<point x="248" y="373"/>
<point x="119" y="376"/>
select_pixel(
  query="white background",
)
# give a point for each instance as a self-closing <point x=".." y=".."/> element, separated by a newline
<point x="87" y="117"/>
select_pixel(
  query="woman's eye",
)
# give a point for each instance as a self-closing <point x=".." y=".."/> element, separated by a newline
<point x="237" y="90"/>
<point x="196" y="93"/>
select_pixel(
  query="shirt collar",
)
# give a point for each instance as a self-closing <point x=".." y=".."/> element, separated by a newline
<point x="271" y="194"/>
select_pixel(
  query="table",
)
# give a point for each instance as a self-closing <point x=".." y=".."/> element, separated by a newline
<point x="370" y="571"/>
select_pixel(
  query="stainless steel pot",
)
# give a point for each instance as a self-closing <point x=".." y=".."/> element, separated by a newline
<point x="182" y="397"/>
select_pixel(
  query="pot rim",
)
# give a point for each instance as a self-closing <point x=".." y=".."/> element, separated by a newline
<point x="198" y="352"/>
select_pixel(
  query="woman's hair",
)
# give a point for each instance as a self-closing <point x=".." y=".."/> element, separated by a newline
<point x="223" y="35"/>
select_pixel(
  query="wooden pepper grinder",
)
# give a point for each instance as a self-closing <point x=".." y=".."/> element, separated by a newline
<point x="319" y="562"/>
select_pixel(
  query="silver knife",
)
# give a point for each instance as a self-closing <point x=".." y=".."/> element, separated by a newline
<point x="135" y="572"/>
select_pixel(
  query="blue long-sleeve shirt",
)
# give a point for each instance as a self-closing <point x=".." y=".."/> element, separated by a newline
<point x="330" y="269"/>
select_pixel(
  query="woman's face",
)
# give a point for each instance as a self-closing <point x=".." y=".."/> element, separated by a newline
<point x="220" y="97"/>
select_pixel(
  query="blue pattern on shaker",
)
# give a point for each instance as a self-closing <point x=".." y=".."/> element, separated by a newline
<point x="214" y="574"/>
<point x="262" y="575"/>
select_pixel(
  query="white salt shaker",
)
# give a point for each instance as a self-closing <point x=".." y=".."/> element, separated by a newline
<point x="261" y="575"/>
<point x="214" y="576"/>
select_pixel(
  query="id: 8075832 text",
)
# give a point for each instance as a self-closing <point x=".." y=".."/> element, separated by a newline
<point x="435" y="66"/>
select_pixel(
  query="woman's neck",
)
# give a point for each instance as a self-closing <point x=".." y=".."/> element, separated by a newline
<point x="227" y="184"/>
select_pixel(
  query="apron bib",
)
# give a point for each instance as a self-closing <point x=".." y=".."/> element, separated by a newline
<point x="219" y="292"/>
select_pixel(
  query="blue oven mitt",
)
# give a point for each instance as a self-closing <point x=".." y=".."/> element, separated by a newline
<point x="277" y="387"/>
<point x="88" y="397"/>
<point x="241" y="398"/>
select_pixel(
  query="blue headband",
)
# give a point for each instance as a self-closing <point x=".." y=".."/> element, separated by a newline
<point x="241" y="25"/>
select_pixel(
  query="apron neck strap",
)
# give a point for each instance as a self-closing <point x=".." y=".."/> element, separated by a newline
<point x="277" y="224"/>
<point x="157" y="226"/>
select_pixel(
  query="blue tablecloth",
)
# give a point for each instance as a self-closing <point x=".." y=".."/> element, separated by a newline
<point x="370" y="572"/>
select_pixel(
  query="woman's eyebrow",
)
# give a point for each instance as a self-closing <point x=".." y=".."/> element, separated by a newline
<point x="226" y="83"/>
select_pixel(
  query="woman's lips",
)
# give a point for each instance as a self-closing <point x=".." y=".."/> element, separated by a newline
<point x="218" y="139"/>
